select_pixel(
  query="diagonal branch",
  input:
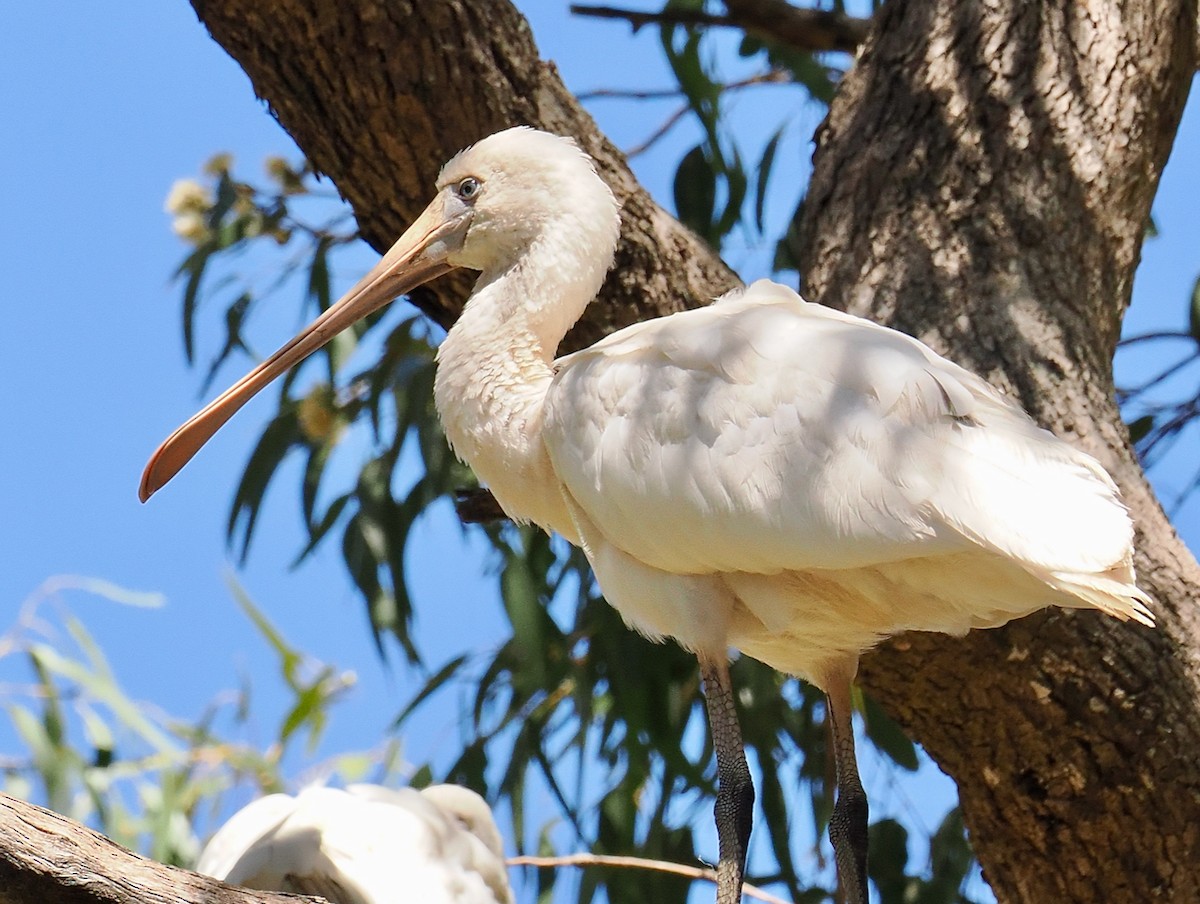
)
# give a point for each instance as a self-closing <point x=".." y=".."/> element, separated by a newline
<point x="47" y="857"/>
<point x="776" y="21"/>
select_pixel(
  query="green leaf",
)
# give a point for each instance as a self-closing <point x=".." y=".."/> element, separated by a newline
<point x="888" y="736"/>
<point x="951" y="860"/>
<point x="764" y="177"/>
<point x="194" y="266"/>
<point x="887" y="865"/>
<point x="322" y="526"/>
<point x="101" y="688"/>
<point x="308" y="710"/>
<point x="736" y="183"/>
<point x="1140" y="428"/>
<point x="431" y="687"/>
<point x="112" y="592"/>
<point x="358" y="540"/>
<point x="32" y="731"/>
<point x="695" y="191"/>
<point x="226" y="194"/>
<point x="281" y="435"/>
<point x="289" y="657"/>
<point x="235" y="315"/>
<point x="520" y="593"/>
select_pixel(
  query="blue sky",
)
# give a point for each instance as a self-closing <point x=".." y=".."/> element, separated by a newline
<point x="105" y="106"/>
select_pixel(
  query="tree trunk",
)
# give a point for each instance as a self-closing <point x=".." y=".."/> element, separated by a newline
<point x="983" y="181"/>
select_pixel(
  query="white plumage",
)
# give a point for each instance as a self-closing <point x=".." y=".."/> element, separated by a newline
<point x="365" y="845"/>
<point x="764" y="473"/>
<point x="796" y="455"/>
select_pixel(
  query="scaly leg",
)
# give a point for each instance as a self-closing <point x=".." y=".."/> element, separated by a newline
<point x="734" y="809"/>
<point x="848" y="824"/>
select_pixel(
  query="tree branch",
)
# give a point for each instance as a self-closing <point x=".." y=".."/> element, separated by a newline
<point x="774" y="21"/>
<point x="662" y="866"/>
<point x="769" y="77"/>
<point x="46" y="857"/>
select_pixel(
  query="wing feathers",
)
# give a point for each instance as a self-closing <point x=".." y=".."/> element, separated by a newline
<point x="764" y="434"/>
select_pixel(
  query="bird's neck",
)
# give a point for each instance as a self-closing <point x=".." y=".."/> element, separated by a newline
<point x="494" y="369"/>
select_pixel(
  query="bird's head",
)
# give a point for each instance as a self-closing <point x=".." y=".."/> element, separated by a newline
<point x="514" y="189"/>
<point x="495" y="201"/>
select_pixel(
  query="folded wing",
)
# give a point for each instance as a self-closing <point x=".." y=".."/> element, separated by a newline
<point x="764" y="433"/>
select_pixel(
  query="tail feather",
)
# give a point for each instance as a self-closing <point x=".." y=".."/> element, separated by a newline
<point x="1111" y="595"/>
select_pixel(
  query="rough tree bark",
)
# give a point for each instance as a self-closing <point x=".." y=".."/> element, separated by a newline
<point x="48" y="859"/>
<point x="982" y="182"/>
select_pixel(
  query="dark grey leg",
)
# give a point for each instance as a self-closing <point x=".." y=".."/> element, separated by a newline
<point x="848" y="824"/>
<point x="734" y="809"/>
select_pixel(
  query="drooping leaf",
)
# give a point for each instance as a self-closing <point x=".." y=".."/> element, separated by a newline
<point x="736" y="183"/>
<point x="289" y="657"/>
<point x="951" y="861"/>
<point x="695" y="190"/>
<point x="434" y="684"/>
<point x="764" y="177"/>
<point x="281" y="435"/>
<point x="888" y="863"/>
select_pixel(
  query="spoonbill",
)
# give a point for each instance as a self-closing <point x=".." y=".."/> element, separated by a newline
<point x="366" y="844"/>
<point x="763" y="473"/>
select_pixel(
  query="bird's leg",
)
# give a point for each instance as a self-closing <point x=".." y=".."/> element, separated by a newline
<point x="848" y="824"/>
<point x="734" y="809"/>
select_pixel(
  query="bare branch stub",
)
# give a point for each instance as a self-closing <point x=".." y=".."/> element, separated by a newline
<point x="476" y="505"/>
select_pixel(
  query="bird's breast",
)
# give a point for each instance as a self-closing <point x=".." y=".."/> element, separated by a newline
<point x="493" y="416"/>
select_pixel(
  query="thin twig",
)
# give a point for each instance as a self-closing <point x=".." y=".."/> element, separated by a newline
<point x="629" y="94"/>
<point x="1184" y="495"/>
<point x="668" y="124"/>
<point x="662" y="866"/>
<point x="638" y="19"/>
<point x="1145" y="337"/>
<point x="770" y="77"/>
<point x="1160" y="377"/>
<point x="1163" y="436"/>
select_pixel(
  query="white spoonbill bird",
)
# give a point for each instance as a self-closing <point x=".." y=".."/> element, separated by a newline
<point x="365" y="845"/>
<point x="763" y="473"/>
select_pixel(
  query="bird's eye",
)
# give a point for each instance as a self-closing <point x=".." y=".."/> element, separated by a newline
<point x="468" y="188"/>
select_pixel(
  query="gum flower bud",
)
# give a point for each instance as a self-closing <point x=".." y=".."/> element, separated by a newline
<point x="319" y="421"/>
<point x="191" y="226"/>
<point x="219" y="164"/>
<point x="187" y="196"/>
